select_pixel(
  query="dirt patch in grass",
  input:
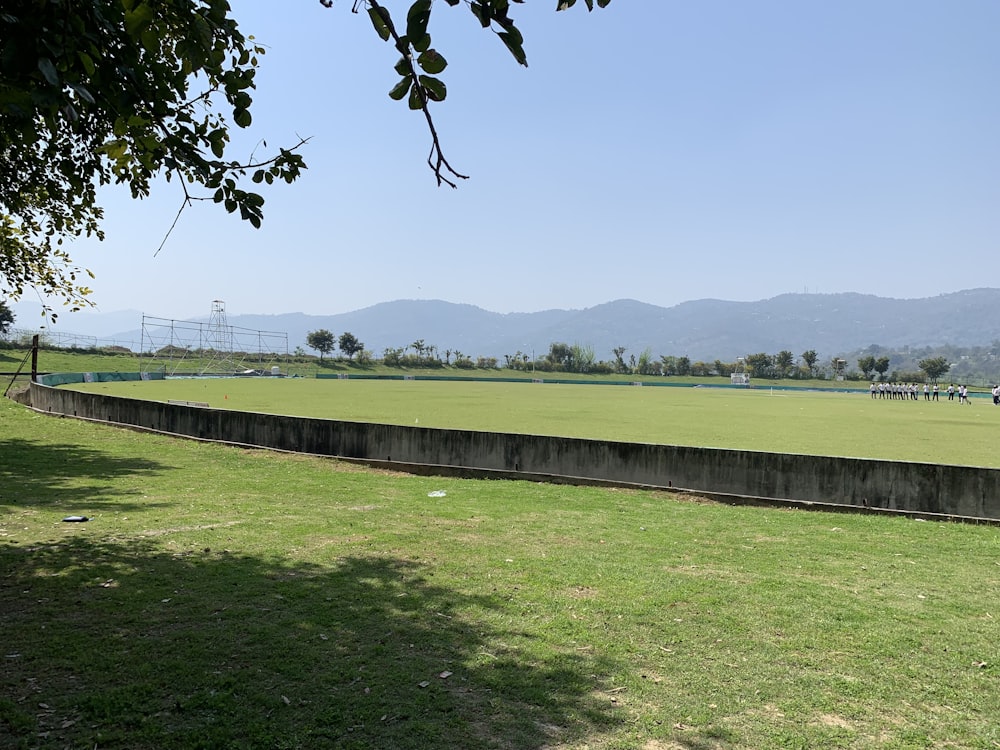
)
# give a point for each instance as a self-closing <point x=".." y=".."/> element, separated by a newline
<point x="182" y="529"/>
<point x="832" y="720"/>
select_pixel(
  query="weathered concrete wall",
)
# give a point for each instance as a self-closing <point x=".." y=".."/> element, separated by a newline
<point x="925" y="488"/>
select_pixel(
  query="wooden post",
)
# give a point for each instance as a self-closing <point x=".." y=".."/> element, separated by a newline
<point x="34" y="358"/>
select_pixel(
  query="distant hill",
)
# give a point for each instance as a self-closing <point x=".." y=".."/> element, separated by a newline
<point x="832" y="324"/>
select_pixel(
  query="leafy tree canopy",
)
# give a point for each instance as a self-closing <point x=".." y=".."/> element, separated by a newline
<point x="867" y="365"/>
<point x="349" y="344"/>
<point x="809" y="357"/>
<point x="322" y="341"/>
<point x="94" y="92"/>
<point x="116" y="91"/>
<point x="934" y="367"/>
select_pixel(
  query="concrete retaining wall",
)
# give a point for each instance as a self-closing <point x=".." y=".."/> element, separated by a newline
<point x="913" y="487"/>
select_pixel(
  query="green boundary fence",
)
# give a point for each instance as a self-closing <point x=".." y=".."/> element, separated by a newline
<point x="68" y="378"/>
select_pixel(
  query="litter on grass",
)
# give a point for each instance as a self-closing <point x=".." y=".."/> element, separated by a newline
<point x="437" y="493"/>
<point x="75" y="519"/>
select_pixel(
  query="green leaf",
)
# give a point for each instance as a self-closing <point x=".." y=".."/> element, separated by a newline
<point x="114" y="149"/>
<point x="417" y="19"/>
<point x="415" y="101"/>
<point x="88" y="63"/>
<point x="48" y="70"/>
<point x="242" y="117"/>
<point x="515" y="33"/>
<point x="481" y="11"/>
<point x="150" y="41"/>
<point x="380" y="22"/>
<point x="203" y="32"/>
<point x="422" y="43"/>
<point x="514" y="45"/>
<point x="432" y="62"/>
<point x="434" y="88"/>
<point x="137" y="19"/>
<point x="400" y="89"/>
<point x="242" y="100"/>
<point x="82" y="93"/>
<point x="403" y="66"/>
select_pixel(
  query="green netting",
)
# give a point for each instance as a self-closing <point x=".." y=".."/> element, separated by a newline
<point x="65" y="378"/>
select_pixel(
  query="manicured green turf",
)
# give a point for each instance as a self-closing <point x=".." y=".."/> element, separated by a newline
<point x="844" y="424"/>
<point x="223" y="598"/>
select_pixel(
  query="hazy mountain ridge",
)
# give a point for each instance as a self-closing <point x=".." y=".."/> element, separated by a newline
<point x="705" y="329"/>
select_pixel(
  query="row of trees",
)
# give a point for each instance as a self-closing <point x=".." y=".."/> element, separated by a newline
<point x="965" y="364"/>
<point x="576" y="358"/>
<point x="931" y="368"/>
<point x="324" y="342"/>
<point x="422" y="354"/>
<point x="563" y="357"/>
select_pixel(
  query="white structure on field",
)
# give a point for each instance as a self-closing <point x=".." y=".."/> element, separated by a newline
<point x="739" y="375"/>
<point x="216" y="348"/>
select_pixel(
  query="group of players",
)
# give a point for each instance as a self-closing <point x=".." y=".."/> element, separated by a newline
<point x="911" y="392"/>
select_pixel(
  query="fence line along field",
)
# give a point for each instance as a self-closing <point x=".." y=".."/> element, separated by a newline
<point x="806" y="422"/>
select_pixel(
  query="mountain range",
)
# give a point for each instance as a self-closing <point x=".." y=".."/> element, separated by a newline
<point x="707" y="329"/>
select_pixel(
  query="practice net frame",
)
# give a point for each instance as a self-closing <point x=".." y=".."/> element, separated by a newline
<point x="184" y="347"/>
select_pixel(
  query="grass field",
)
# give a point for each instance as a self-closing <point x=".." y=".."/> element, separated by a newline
<point x="224" y="598"/>
<point x="843" y="424"/>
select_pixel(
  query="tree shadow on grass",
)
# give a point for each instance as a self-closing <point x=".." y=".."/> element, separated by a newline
<point x="118" y="643"/>
<point x="65" y="478"/>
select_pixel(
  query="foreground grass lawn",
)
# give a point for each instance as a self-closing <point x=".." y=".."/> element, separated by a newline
<point x="838" y="424"/>
<point x="223" y="598"/>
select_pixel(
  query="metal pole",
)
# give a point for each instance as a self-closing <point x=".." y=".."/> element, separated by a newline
<point x="34" y="358"/>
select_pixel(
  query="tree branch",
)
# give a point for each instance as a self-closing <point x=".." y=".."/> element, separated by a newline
<point x="188" y="198"/>
<point x="435" y="159"/>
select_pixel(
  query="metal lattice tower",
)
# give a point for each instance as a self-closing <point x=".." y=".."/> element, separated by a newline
<point x="220" y="340"/>
<point x="219" y="334"/>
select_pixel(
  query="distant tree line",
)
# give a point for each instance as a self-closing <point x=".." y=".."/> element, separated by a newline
<point x="926" y="364"/>
<point x="976" y="364"/>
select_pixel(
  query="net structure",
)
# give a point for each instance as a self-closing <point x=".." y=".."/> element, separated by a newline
<point x="739" y="375"/>
<point x="64" y="340"/>
<point x="184" y="347"/>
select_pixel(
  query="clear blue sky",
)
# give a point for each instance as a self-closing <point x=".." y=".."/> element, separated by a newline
<point x="657" y="150"/>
